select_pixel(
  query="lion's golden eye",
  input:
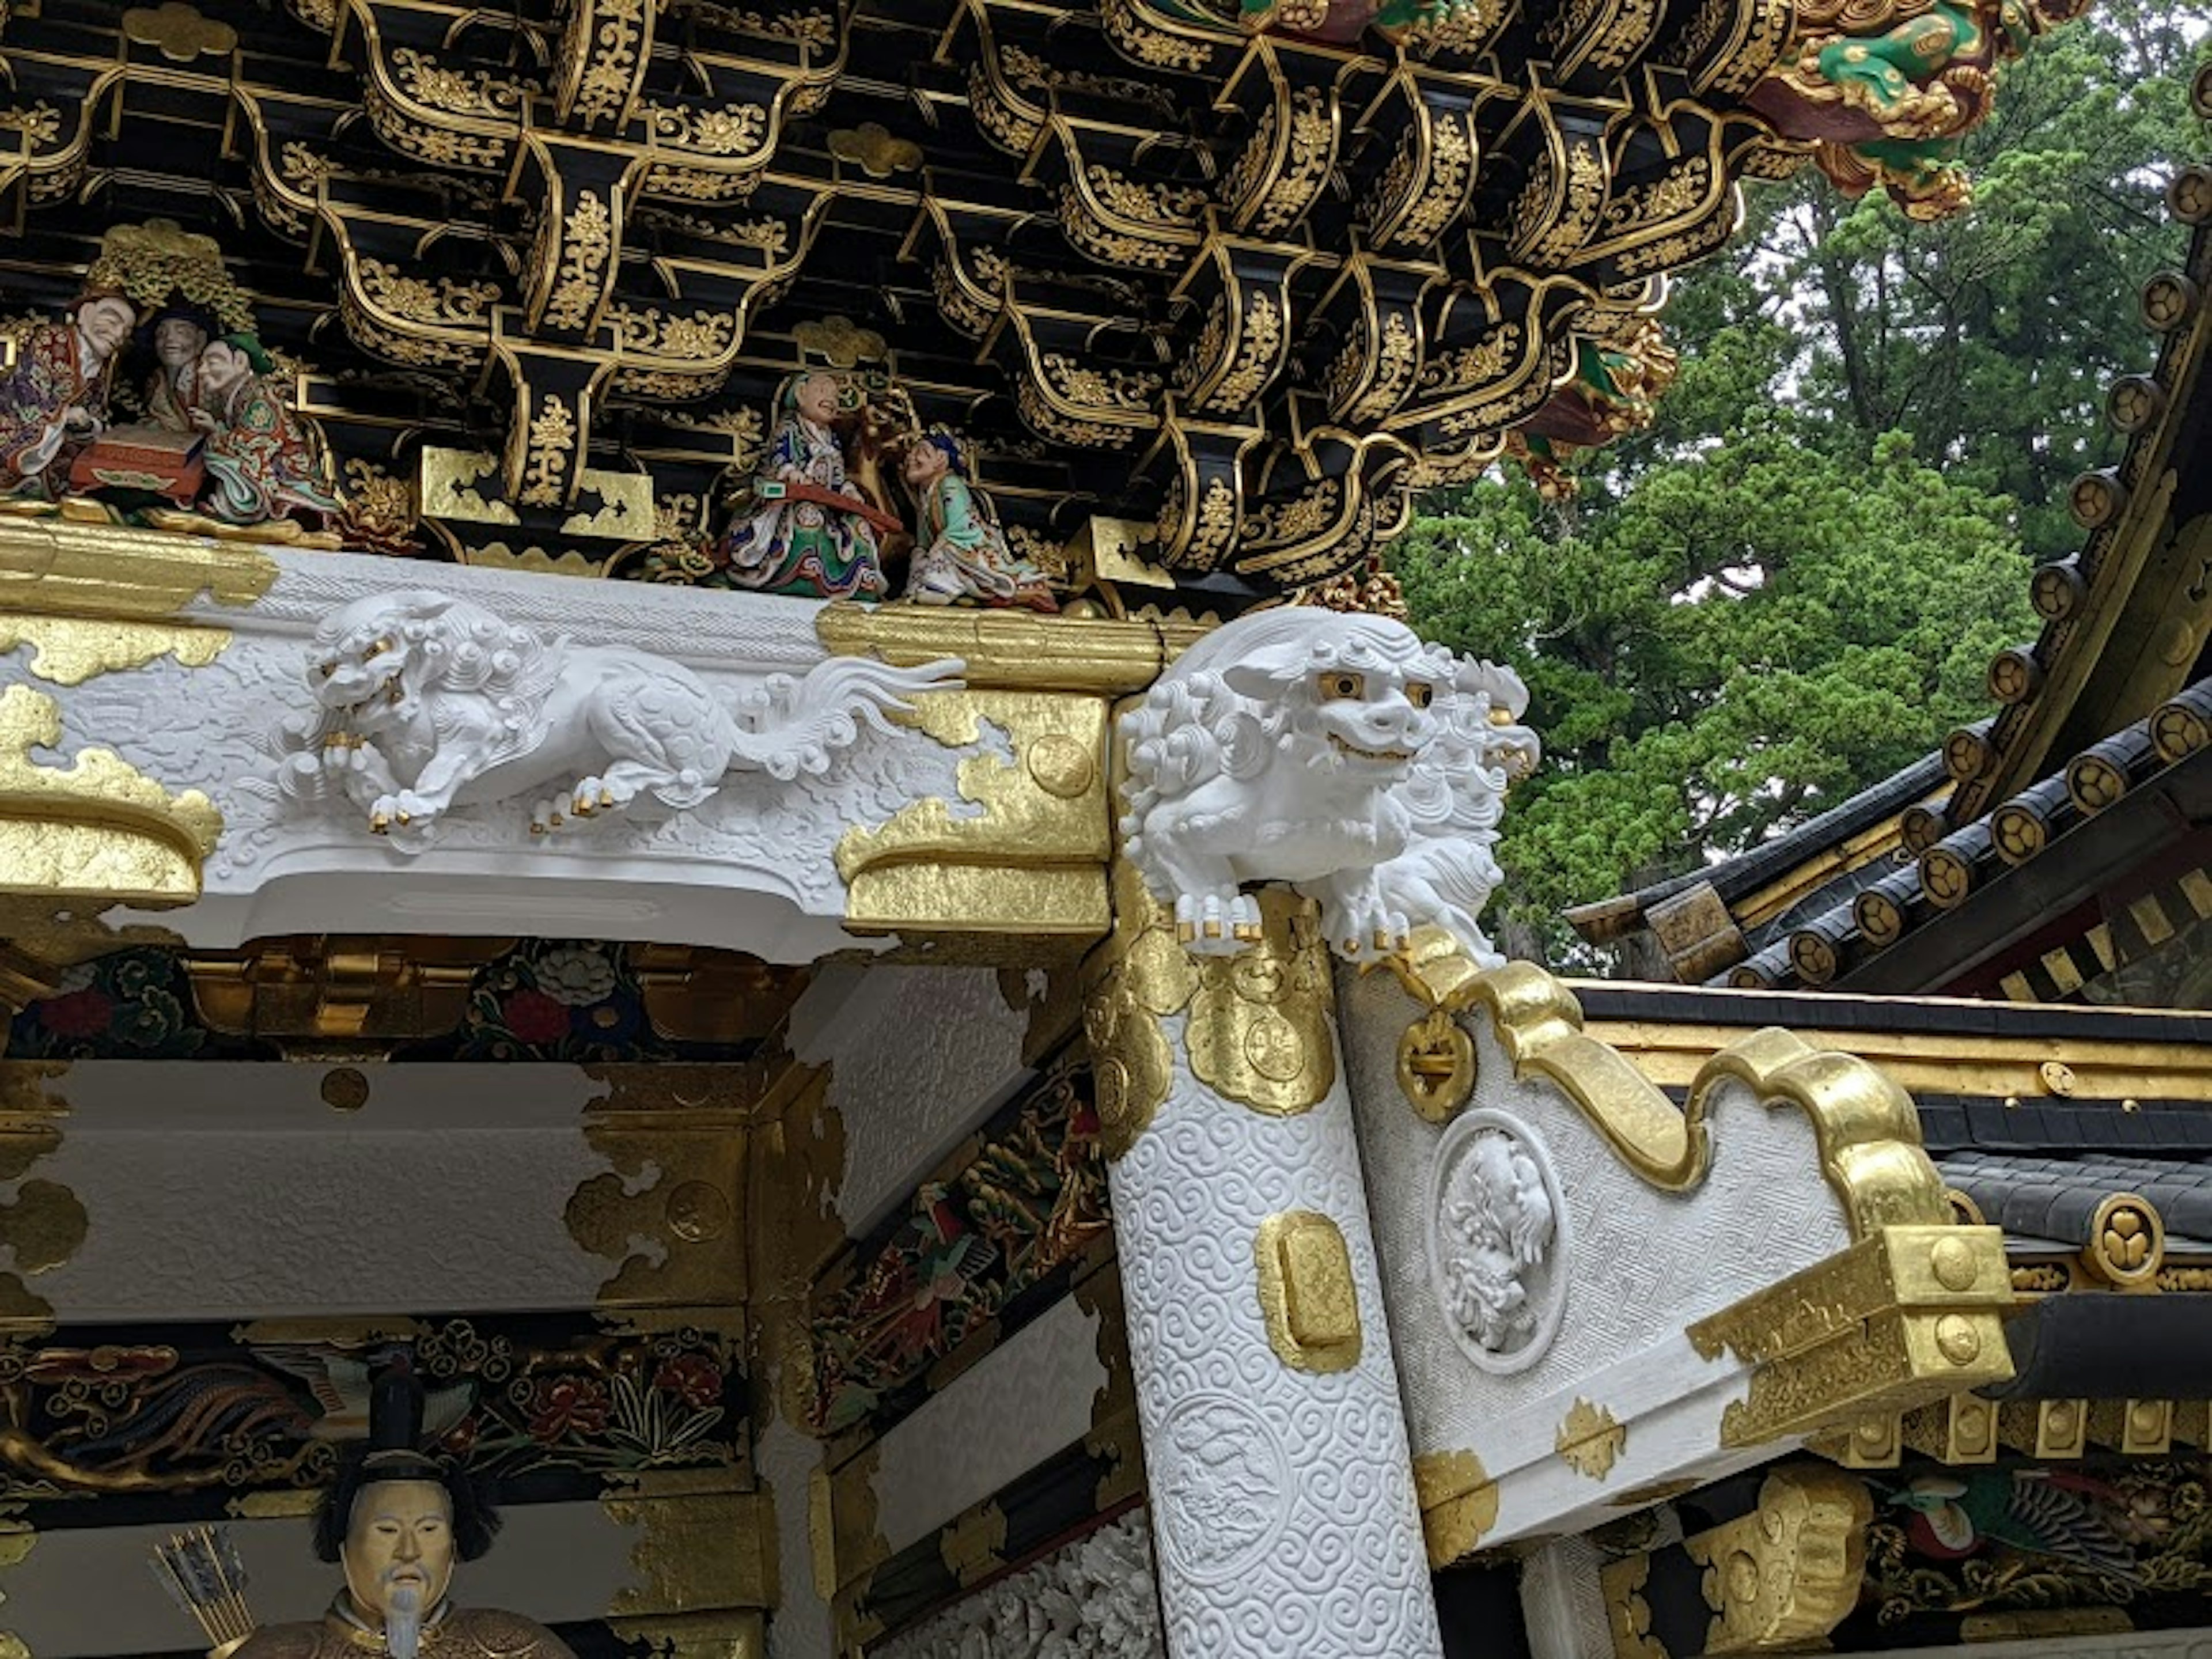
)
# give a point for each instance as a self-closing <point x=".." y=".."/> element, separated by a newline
<point x="1343" y="687"/>
<point x="1419" y="693"/>
<point x="379" y="649"/>
<point x="329" y="669"/>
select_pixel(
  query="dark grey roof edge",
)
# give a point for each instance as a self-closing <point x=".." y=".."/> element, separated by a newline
<point x="1747" y="872"/>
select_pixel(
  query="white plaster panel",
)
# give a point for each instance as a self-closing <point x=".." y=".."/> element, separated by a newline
<point x="784" y="1460"/>
<point x="1282" y="1501"/>
<point x="1093" y="1599"/>
<point x="751" y="869"/>
<point x="1642" y="1264"/>
<point x="220" y="1190"/>
<point x="1562" y="1604"/>
<point x="918" y="1058"/>
<point x="90" y="1591"/>
<point x="1028" y="1398"/>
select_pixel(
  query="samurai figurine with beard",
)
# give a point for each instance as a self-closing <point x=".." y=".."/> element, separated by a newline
<point x="396" y="1521"/>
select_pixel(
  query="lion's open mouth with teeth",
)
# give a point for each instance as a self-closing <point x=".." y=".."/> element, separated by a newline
<point x="1393" y="756"/>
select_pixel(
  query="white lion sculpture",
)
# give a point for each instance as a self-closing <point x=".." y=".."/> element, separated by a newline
<point x="425" y="702"/>
<point x="1455" y="795"/>
<point x="1270" y="752"/>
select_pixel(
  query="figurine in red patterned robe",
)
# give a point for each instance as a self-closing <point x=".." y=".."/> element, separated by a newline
<point x="54" y="401"/>
<point x="262" y="463"/>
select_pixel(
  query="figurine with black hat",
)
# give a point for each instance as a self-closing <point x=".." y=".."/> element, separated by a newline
<point x="396" y="1521"/>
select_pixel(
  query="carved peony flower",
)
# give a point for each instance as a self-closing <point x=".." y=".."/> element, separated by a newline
<point x="565" y="1405"/>
<point x="691" y="1377"/>
<point x="576" y="975"/>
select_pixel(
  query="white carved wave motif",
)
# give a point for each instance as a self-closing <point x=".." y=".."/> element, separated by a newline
<point x="1094" y="1599"/>
<point x="1497" y="1241"/>
<point x="1331" y="1564"/>
<point x="424" y="702"/>
<point x="1228" y="1483"/>
<point x="1336" y="752"/>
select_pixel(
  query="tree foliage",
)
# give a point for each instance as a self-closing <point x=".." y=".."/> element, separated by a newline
<point x="1791" y="585"/>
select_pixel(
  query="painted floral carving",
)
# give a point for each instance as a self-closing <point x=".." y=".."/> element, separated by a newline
<point x="2025" y="1537"/>
<point x="547" y="1405"/>
<point x="1030" y="1203"/>
<point x="1885" y="89"/>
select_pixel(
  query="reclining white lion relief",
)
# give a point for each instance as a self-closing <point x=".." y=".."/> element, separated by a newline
<point x="1292" y="746"/>
<point x="425" y="702"/>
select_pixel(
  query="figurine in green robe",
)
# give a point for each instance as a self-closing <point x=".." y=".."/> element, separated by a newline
<point x="961" y="556"/>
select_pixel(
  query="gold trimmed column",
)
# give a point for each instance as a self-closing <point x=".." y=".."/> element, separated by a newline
<point x="1275" y="1438"/>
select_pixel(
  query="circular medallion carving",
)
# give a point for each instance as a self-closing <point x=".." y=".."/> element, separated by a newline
<point x="697" y="1213"/>
<point x="344" y="1088"/>
<point x="1224" y="1487"/>
<point x="1497" y="1241"/>
<point x="1273" y="1047"/>
<point x="1061" y="765"/>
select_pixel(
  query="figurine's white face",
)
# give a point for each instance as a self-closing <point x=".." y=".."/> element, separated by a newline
<point x="817" y="398"/>
<point x="924" y="464"/>
<point x="105" y="324"/>
<point x="222" y="367"/>
<point x="177" y="340"/>
<point x="399" y="1547"/>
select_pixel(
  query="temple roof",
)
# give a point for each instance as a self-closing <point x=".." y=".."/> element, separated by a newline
<point x="2008" y="826"/>
<point x="1232" y="280"/>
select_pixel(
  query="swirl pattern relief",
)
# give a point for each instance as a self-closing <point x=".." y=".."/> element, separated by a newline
<point x="1283" y="1500"/>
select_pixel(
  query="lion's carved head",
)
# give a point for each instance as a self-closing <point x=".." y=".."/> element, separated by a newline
<point x="377" y="659"/>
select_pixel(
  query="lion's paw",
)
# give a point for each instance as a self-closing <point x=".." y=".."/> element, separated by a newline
<point x="1216" y="924"/>
<point x="404" y="815"/>
<point x="1364" y="929"/>
<point x="599" y="795"/>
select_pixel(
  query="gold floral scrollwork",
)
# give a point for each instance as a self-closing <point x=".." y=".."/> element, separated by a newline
<point x="1308" y="1299"/>
<point x="544" y="450"/>
<point x="98" y="828"/>
<point x="1426" y="186"/>
<point x="605" y="47"/>
<point x="1783" y="1577"/>
<point x="587" y="246"/>
<point x="1590" y="1440"/>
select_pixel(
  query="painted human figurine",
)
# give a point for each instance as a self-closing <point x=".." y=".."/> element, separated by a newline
<point x="53" y="401"/>
<point x="802" y="528"/>
<point x="396" y="1521"/>
<point x="172" y="390"/>
<point x="262" y="463"/>
<point x="960" y="554"/>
